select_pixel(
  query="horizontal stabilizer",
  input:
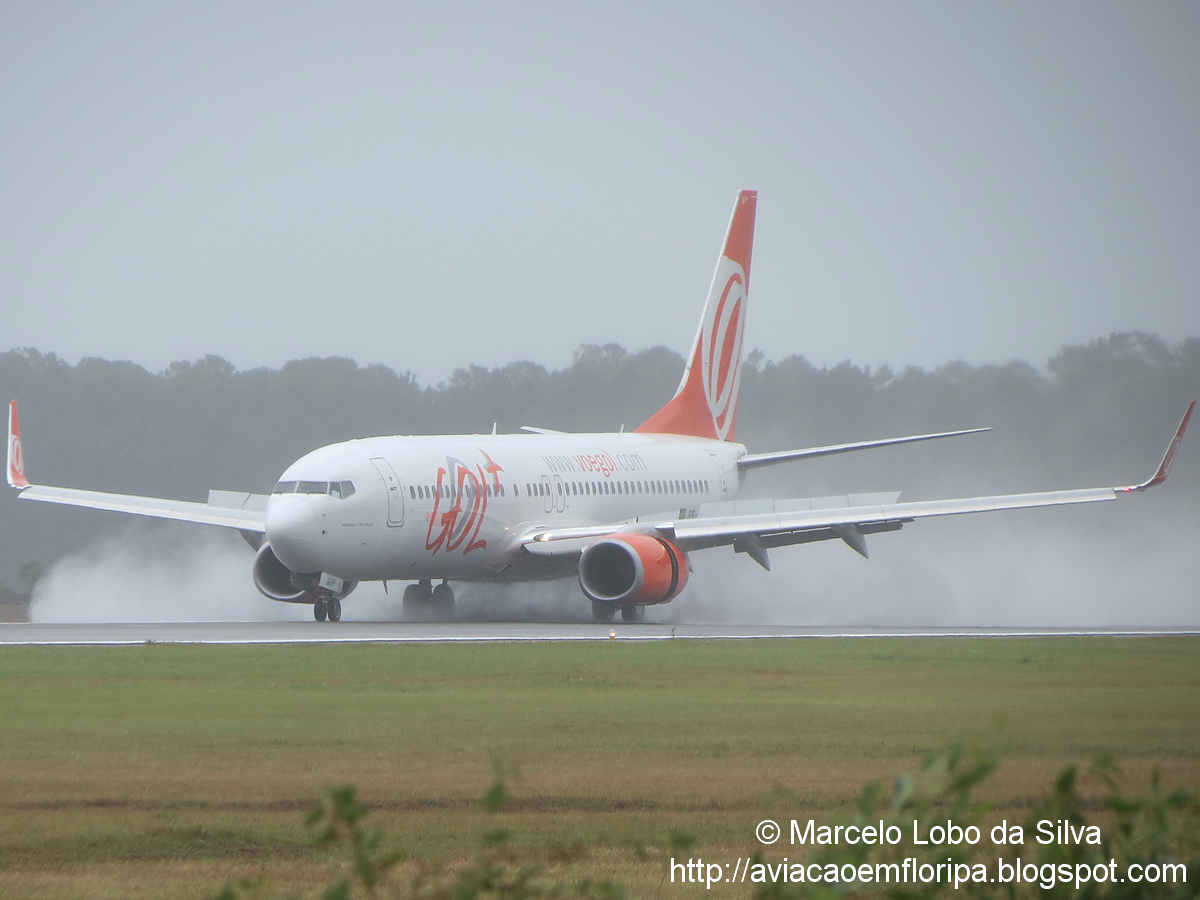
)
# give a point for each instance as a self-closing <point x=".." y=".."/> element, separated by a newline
<point x="755" y="460"/>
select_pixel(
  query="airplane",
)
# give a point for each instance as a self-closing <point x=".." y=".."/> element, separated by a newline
<point x="621" y="512"/>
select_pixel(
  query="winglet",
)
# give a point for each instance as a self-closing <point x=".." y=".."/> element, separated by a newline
<point x="1165" y="466"/>
<point x="16" y="462"/>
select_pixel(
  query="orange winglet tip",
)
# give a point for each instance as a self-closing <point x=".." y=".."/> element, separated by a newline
<point x="1165" y="466"/>
<point x="16" y="461"/>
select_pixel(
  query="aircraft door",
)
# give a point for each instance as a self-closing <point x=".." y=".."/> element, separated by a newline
<point x="560" y="494"/>
<point x="548" y="492"/>
<point x="395" y="496"/>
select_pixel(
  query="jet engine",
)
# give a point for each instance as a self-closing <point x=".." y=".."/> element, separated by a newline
<point x="275" y="580"/>
<point x="633" y="569"/>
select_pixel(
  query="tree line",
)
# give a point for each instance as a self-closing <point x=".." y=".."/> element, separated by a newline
<point x="1097" y="413"/>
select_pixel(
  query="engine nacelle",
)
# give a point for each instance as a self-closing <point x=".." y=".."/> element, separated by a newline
<point x="275" y="580"/>
<point x="633" y="569"/>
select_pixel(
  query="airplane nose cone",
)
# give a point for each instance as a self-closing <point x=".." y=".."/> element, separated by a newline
<point x="291" y="530"/>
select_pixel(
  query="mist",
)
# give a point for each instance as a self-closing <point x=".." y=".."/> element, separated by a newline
<point x="156" y="574"/>
<point x="978" y="571"/>
<point x="1116" y="566"/>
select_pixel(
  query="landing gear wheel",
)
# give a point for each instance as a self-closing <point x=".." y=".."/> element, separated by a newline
<point x="335" y="609"/>
<point x="443" y="603"/>
<point x="417" y="600"/>
<point x="628" y="613"/>
<point x="602" y="612"/>
<point x="320" y="609"/>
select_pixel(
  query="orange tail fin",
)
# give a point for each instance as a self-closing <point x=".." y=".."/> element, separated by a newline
<point x="705" y="405"/>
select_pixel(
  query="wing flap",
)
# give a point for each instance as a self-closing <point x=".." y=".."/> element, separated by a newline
<point x="779" y="529"/>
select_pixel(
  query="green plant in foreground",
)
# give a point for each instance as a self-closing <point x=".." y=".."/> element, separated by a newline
<point x="1155" y="828"/>
<point x="496" y="869"/>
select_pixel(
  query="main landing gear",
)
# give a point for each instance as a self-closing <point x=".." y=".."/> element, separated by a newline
<point x="604" y="612"/>
<point x="327" y="607"/>
<point x="425" y="602"/>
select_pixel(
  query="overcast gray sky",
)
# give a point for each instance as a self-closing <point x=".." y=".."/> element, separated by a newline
<point x="434" y="185"/>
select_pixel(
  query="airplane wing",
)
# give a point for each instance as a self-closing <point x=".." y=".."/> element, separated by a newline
<point x="755" y="460"/>
<point x="755" y="531"/>
<point x="229" y="509"/>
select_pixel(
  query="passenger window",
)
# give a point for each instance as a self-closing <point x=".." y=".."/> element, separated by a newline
<point x="412" y="492"/>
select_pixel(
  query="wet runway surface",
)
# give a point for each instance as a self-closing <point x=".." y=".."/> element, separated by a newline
<point x="13" y="634"/>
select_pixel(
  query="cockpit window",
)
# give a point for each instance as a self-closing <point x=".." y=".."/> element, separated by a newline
<point x="285" y="487"/>
<point x="313" y="487"/>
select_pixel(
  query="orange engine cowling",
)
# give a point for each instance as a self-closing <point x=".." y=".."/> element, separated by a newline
<point x="633" y="569"/>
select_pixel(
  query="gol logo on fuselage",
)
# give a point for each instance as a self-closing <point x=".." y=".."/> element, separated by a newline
<point x="459" y="525"/>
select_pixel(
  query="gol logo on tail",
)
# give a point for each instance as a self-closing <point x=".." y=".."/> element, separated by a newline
<point x="721" y="346"/>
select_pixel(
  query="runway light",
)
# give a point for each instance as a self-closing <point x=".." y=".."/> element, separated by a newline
<point x="612" y="634"/>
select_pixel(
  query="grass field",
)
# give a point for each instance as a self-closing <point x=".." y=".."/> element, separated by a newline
<point x="163" y="770"/>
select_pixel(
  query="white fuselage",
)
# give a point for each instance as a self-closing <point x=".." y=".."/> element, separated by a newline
<point x="458" y="506"/>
